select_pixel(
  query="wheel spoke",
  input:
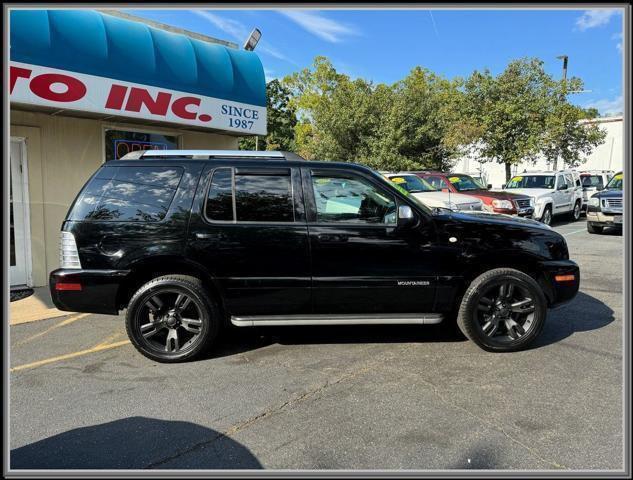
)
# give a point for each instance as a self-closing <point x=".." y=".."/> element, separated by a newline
<point x="191" y="324"/>
<point x="154" y="304"/>
<point x="182" y="302"/>
<point x="149" y="329"/>
<point x="502" y="290"/>
<point x="523" y="306"/>
<point x="172" y="341"/>
<point x="510" y="291"/>
<point x="514" y="329"/>
<point x="490" y="327"/>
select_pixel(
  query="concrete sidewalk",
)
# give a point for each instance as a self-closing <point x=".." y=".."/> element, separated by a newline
<point x="38" y="306"/>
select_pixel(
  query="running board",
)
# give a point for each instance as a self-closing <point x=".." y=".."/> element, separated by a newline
<point x="352" y="319"/>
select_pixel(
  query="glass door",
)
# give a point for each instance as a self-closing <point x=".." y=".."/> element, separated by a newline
<point x="17" y="255"/>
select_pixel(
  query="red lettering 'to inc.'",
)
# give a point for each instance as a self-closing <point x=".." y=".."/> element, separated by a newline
<point x="41" y="86"/>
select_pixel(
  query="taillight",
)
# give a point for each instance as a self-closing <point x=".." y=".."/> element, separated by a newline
<point x="68" y="254"/>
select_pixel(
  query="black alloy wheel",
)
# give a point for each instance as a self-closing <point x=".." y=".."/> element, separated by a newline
<point x="172" y="319"/>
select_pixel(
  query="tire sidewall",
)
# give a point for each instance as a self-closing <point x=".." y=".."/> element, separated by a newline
<point x="468" y="310"/>
<point x="209" y="318"/>
<point x="547" y="213"/>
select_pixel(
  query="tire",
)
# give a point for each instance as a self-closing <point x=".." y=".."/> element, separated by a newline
<point x="575" y="213"/>
<point x="594" y="228"/>
<point x="546" y="218"/>
<point x="506" y="337"/>
<point x="168" y="304"/>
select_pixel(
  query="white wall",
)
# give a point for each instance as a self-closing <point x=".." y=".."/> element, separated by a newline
<point x="608" y="156"/>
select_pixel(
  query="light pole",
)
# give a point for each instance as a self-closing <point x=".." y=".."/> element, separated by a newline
<point x="250" y="44"/>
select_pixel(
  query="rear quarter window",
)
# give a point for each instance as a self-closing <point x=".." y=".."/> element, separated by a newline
<point x="127" y="194"/>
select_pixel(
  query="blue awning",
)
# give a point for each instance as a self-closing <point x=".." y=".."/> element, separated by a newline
<point x="93" y="43"/>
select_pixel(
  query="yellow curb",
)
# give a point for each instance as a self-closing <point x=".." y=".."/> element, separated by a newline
<point x="36" y="317"/>
<point x="47" y="361"/>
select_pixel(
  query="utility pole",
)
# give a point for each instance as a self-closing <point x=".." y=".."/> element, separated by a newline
<point x="565" y="60"/>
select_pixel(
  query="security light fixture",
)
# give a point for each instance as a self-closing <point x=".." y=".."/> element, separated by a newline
<point x="253" y="38"/>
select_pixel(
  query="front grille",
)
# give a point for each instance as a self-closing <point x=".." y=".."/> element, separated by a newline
<point x="469" y="206"/>
<point x="614" y="202"/>
<point x="522" y="203"/>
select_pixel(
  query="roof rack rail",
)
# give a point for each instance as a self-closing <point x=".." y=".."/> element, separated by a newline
<point x="207" y="154"/>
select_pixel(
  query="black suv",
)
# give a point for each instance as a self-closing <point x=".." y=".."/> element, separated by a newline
<point x="191" y="241"/>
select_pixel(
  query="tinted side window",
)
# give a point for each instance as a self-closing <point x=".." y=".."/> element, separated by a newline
<point x="128" y="194"/>
<point x="351" y="200"/>
<point x="263" y="198"/>
<point x="220" y="197"/>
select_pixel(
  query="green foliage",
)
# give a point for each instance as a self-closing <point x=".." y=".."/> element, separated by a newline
<point x="282" y="120"/>
<point x="426" y="121"/>
<point x="523" y="113"/>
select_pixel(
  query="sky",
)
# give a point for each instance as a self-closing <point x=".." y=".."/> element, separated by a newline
<point x="384" y="45"/>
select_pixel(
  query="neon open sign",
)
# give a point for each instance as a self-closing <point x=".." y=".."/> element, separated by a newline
<point x="123" y="147"/>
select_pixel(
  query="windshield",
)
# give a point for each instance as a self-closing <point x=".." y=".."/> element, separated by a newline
<point x="591" y="180"/>
<point x="532" y="181"/>
<point x="464" y="183"/>
<point x="412" y="183"/>
<point x="616" y="182"/>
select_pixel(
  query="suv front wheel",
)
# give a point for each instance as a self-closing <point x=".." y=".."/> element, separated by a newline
<point x="503" y="310"/>
<point x="172" y="319"/>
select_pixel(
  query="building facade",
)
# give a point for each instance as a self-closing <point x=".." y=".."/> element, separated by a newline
<point x="607" y="156"/>
<point x="88" y="87"/>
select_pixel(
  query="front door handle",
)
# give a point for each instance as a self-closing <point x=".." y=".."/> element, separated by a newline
<point x="332" y="238"/>
<point x="203" y="235"/>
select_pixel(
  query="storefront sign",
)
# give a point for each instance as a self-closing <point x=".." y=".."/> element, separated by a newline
<point x="45" y="86"/>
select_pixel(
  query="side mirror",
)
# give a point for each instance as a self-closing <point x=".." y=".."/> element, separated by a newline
<point x="563" y="187"/>
<point x="406" y="217"/>
<point x="489" y="186"/>
<point x="600" y="187"/>
<point x="503" y="187"/>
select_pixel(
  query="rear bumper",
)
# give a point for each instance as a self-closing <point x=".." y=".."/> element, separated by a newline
<point x="92" y="291"/>
<point x="559" y="292"/>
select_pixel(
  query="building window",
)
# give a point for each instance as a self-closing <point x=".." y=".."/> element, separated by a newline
<point x="120" y="142"/>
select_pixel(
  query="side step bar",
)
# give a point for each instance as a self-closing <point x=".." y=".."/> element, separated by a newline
<point x="351" y="319"/>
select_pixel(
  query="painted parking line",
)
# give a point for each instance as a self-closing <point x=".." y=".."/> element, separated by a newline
<point x="46" y="361"/>
<point x="574" y="232"/>
<point x="63" y="323"/>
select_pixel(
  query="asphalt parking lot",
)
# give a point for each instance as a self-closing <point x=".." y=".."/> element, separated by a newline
<point x="405" y="397"/>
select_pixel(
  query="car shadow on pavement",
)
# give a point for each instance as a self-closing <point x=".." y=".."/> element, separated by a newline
<point x="582" y="314"/>
<point x="240" y="340"/>
<point x="136" y="443"/>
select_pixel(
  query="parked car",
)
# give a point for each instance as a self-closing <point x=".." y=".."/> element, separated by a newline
<point x="605" y="206"/>
<point x="431" y="197"/>
<point x="554" y="193"/>
<point x="497" y="202"/>
<point x="192" y="241"/>
<point x="592" y="181"/>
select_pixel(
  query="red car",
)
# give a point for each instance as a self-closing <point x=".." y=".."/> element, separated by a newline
<point x="497" y="202"/>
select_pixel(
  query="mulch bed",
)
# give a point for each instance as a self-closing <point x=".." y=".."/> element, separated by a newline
<point x="20" y="294"/>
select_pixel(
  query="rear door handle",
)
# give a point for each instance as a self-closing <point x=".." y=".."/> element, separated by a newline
<point x="203" y="235"/>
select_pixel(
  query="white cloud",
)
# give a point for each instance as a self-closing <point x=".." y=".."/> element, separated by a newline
<point x="239" y="32"/>
<point x="323" y="27"/>
<point x="232" y="28"/>
<point x="595" y="17"/>
<point x="607" y="106"/>
<point x="618" y="37"/>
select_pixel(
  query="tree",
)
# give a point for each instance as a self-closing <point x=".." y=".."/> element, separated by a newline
<point x="417" y="126"/>
<point x="509" y="113"/>
<point x="568" y="135"/>
<point x="281" y="121"/>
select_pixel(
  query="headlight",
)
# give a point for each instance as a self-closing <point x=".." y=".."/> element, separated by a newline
<point x="594" y="202"/>
<point x="504" y="204"/>
<point x="532" y="201"/>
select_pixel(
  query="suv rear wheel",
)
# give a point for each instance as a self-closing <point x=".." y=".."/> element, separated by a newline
<point x="503" y="310"/>
<point x="172" y="319"/>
